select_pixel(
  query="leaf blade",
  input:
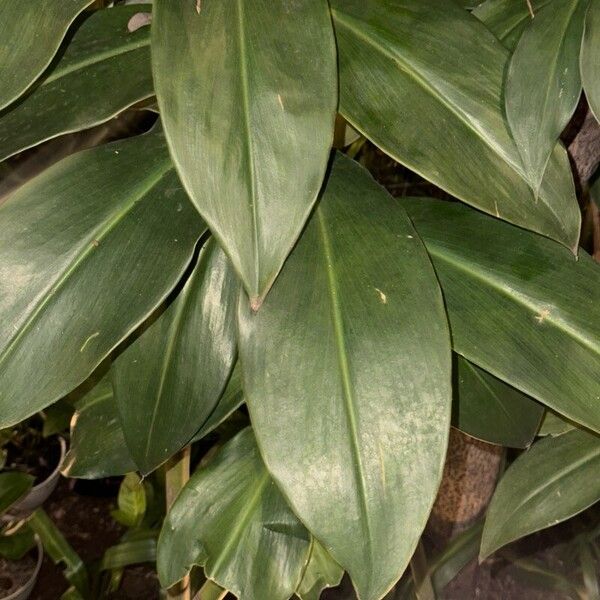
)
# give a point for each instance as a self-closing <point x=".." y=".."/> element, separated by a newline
<point x="590" y="61"/>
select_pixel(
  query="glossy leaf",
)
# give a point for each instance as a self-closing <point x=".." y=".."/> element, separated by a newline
<point x="13" y="485"/>
<point x="333" y="367"/>
<point x="507" y="19"/>
<point x="321" y="572"/>
<point x="31" y="33"/>
<point x="411" y="70"/>
<point x="169" y="380"/>
<point x="554" y="480"/>
<point x="88" y="249"/>
<point x="104" y="70"/>
<point x="543" y="84"/>
<point x="98" y="447"/>
<point x="248" y="96"/>
<point x="590" y="58"/>
<point x="520" y="306"/>
<point x="232" y="519"/>
<point x="490" y="410"/>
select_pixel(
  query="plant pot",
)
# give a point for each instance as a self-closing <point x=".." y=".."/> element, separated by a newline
<point x="40" y="492"/>
<point x="21" y="590"/>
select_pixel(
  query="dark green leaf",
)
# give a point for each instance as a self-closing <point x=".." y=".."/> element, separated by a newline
<point x="590" y="58"/>
<point x="248" y="97"/>
<point x="423" y="80"/>
<point x="321" y="572"/>
<point x="31" y="33"/>
<point x="60" y="551"/>
<point x="16" y="545"/>
<point x="543" y="84"/>
<point x="334" y="368"/>
<point x="88" y="249"/>
<point x="231" y="518"/>
<point x="554" y="424"/>
<point x="98" y="447"/>
<point x="13" y="485"/>
<point x="104" y="70"/>
<point x="520" y="306"/>
<point x="169" y="381"/>
<point x="507" y="19"/>
<point x="554" y="480"/>
<point x="57" y="417"/>
<point x="491" y="410"/>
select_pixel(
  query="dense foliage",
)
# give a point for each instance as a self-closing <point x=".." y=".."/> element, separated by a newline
<point x="230" y="256"/>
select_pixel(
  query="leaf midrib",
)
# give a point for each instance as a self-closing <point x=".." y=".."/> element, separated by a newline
<point x="348" y="396"/>
<point x="98" y="235"/>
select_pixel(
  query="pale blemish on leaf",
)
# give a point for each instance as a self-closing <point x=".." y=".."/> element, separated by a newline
<point x="382" y="296"/>
<point x="88" y="340"/>
<point x="542" y="316"/>
<point x="280" y="101"/>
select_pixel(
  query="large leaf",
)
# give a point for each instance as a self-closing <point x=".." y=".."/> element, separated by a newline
<point x="507" y="19"/>
<point x="423" y="80"/>
<point x="334" y="368"/>
<point x="97" y="447"/>
<point x="554" y="480"/>
<point x="543" y="84"/>
<point x="232" y="519"/>
<point x="491" y="410"/>
<point x="169" y="380"/>
<point x="31" y="33"/>
<point x="248" y="96"/>
<point x="103" y="70"/>
<point x="321" y="572"/>
<point x="520" y="306"/>
<point x="590" y="58"/>
<point x="87" y="250"/>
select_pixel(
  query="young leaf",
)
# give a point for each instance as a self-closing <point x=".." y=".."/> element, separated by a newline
<point x="519" y="305"/>
<point x="80" y="90"/>
<point x="97" y="447"/>
<point x="169" y="380"/>
<point x="131" y="501"/>
<point x="543" y="84"/>
<point x="423" y="80"/>
<point x="321" y="572"/>
<point x="13" y="486"/>
<point x="231" y="518"/>
<point x="31" y="33"/>
<point x="248" y="94"/>
<point x="88" y="249"/>
<point x="334" y="368"/>
<point x="507" y="19"/>
<point x="554" y="480"/>
<point x="492" y="411"/>
<point x="590" y="58"/>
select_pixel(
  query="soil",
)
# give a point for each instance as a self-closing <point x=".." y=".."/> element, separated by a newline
<point x="15" y="574"/>
<point x="33" y="454"/>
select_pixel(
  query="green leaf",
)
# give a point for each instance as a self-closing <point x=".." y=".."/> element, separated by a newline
<point x="31" y="33"/>
<point x="321" y="572"/>
<point x="131" y="501"/>
<point x="104" y="70"/>
<point x="423" y="80"/>
<point x="97" y="447"/>
<point x="553" y="424"/>
<point x="16" y="545"/>
<point x="57" y="417"/>
<point x="88" y="249"/>
<point x="507" y="19"/>
<point x="13" y="485"/>
<point x="232" y="519"/>
<point x="543" y="84"/>
<point x="248" y="96"/>
<point x="60" y="551"/>
<point x="333" y="367"/>
<point x="169" y="381"/>
<point x="519" y="306"/>
<point x="129" y="553"/>
<point x="490" y="410"/>
<point x="554" y="480"/>
<point x="590" y="58"/>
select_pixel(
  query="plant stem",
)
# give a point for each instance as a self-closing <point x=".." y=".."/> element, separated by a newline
<point x="211" y="591"/>
<point x="421" y="575"/>
<point x="177" y="474"/>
